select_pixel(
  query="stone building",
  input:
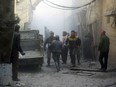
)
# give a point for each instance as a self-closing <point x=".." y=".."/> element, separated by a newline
<point x="24" y="10"/>
<point x="101" y="15"/>
<point x="109" y="24"/>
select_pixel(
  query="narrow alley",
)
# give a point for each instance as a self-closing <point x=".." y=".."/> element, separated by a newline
<point x="57" y="43"/>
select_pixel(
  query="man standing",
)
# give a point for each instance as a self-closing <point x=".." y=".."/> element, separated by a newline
<point x="72" y="43"/>
<point x="104" y="50"/>
<point x="16" y="48"/>
<point x="65" y="48"/>
<point x="48" y="42"/>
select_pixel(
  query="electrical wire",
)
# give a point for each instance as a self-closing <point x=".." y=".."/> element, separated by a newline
<point x="68" y="6"/>
<point x="56" y="7"/>
<point x="62" y="7"/>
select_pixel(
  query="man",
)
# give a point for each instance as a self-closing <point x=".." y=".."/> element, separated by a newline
<point x="65" y="48"/>
<point x="56" y="49"/>
<point x="78" y="49"/>
<point x="48" y="42"/>
<point x="104" y="50"/>
<point x="16" y="48"/>
<point x="72" y="43"/>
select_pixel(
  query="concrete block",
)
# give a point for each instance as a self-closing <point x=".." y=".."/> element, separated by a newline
<point x="5" y="74"/>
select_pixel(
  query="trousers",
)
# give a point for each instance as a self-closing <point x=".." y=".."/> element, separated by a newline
<point x="103" y="59"/>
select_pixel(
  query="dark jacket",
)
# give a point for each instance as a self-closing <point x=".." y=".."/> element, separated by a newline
<point x="104" y="44"/>
<point x="56" y="46"/>
<point x="49" y="42"/>
<point x="16" y="48"/>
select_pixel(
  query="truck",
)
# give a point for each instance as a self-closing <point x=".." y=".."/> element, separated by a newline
<point x="32" y="44"/>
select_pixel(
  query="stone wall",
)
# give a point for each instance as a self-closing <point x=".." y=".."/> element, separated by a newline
<point x="22" y="10"/>
<point x="100" y="13"/>
<point x="108" y="7"/>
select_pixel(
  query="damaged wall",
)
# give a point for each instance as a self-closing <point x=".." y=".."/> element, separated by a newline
<point x="100" y="13"/>
<point x="24" y="12"/>
<point x="24" y="9"/>
<point x="94" y="23"/>
<point x="108" y="7"/>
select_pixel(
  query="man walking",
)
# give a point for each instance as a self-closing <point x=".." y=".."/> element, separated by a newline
<point x="56" y="49"/>
<point x="104" y="50"/>
<point x="65" y="48"/>
<point x="72" y="43"/>
<point x="48" y="42"/>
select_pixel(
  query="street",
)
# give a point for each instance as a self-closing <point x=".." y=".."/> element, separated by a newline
<point x="48" y="77"/>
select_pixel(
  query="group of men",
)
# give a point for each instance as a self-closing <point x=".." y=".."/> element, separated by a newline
<point x="69" y="44"/>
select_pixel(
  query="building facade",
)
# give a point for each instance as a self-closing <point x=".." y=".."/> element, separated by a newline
<point x="101" y="15"/>
<point x="109" y="24"/>
<point x="24" y="10"/>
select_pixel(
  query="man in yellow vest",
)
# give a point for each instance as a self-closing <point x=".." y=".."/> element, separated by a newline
<point x="72" y="42"/>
